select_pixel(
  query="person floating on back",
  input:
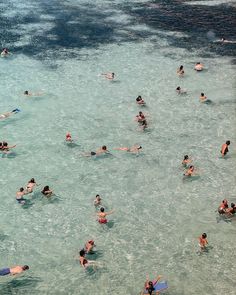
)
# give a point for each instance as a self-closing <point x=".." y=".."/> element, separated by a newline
<point x="224" y="148"/>
<point x="109" y="76"/>
<point x="13" y="270"/>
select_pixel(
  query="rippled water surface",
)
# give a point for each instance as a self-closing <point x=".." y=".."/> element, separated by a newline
<point x="60" y="48"/>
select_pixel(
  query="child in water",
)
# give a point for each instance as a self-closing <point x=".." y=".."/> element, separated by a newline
<point x="203" y="241"/>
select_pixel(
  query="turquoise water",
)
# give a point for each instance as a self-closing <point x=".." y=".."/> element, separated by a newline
<point x="158" y="216"/>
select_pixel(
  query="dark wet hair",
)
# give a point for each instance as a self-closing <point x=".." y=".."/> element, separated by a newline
<point x="104" y="147"/>
<point x="178" y="88"/>
<point x="21" y="189"/>
<point x="102" y="209"/>
<point x="139" y="147"/>
<point x="32" y="180"/>
<point x="138" y="98"/>
<point x="113" y="74"/>
<point x="150" y="288"/>
<point x="202" y="94"/>
<point x="82" y="252"/>
<point x="191" y="166"/>
<point x="186" y="157"/>
<point x="204" y="235"/>
<point x="181" y="67"/>
<point x="232" y="205"/>
<point x="5" y="143"/>
<point x="228" y="142"/>
<point x="97" y="196"/>
<point x="25" y="267"/>
<point x="46" y="188"/>
<point x="26" y="92"/>
<point x="198" y="63"/>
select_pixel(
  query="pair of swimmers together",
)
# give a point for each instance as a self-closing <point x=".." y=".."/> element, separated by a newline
<point x="141" y="119"/>
<point x="225" y="209"/>
<point x="4" y="147"/>
<point x="190" y="169"/>
<point x="198" y="67"/>
<point x="103" y="150"/>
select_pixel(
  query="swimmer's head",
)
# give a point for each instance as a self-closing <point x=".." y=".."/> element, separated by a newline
<point x="198" y="63"/>
<point x="228" y="142"/>
<point x="232" y="205"/>
<point x="25" y="267"/>
<point x="150" y="283"/>
<point x="104" y="147"/>
<point x="91" y="242"/>
<point x="186" y="157"/>
<point x="82" y="253"/>
<point x="139" y="147"/>
<point x="202" y="94"/>
<point x="181" y="67"/>
<point x="204" y="235"/>
<point x="46" y="188"/>
<point x="113" y="75"/>
<point x="5" y="143"/>
<point x="21" y="189"/>
<point x="191" y="167"/>
<point x="178" y="88"/>
<point x="26" y="92"/>
<point x="97" y="196"/>
<point x="102" y="209"/>
<point x="32" y="180"/>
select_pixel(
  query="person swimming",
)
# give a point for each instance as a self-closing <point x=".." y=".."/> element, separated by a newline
<point x="190" y="171"/>
<point x="8" y="114"/>
<point x="133" y="149"/>
<point x="47" y="192"/>
<point x="180" y="71"/>
<point x="30" y="186"/>
<point x="203" y="241"/>
<point x="4" y="52"/>
<point x="109" y="76"/>
<point x="89" y="246"/>
<point x="13" y="270"/>
<point x="223" y="206"/>
<point x="27" y="93"/>
<point x="144" y="124"/>
<point x="224" y="148"/>
<point x="102" y="150"/>
<point x="186" y="161"/>
<point x="140" y="100"/>
<point x="198" y="67"/>
<point x="5" y="147"/>
<point x="180" y="90"/>
<point x="83" y="261"/>
<point x="102" y="215"/>
<point x="97" y="201"/>
<point x="19" y="196"/>
<point x="203" y="97"/>
<point x="140" y="117"/>
<point x="68" y="137"/>
<point x="149" y="285"/>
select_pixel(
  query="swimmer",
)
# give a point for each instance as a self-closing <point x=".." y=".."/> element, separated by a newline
<point x="97" y="201"/>
<point x="19" y="196"/>
<point x="47" y="192"/>
<point x="15" y="270"/>
<point x="180" y="71"/>
<point x="198" y="67"/>
<point x="203" y="97"/>
<point x="8" y="114"/>
<point x="89" y="246"/>
<point x="102" y="215"/>
<point x="224" y="148"/>
<point x="186" y="161"/>
<point x="133" y="149"/>
<point x="4" y="52"/>
<point x="27" y="93"/>
<point x="83" y="261"/>
<point x="140" y="117"/>
<point x="109" y="76"/>
<point x="144" y="124"/>
<point x="30" y="186"/>
<point x="223" y="206"/>
<point x="180" y="90"/>
<point x="102" y="150"/>
<point x="5" y="147"/>
<point x="231" y="210"/>
<point x="223" y="40"/>
<point x="203" y="241"/>
<point x="68" y="137"/>
<point x="149" y="285"/>
<point x="190" y="171"/>
<point x="140" y="100"/>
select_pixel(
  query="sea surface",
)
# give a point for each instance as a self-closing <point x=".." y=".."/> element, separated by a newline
<point x="60" y="48"/>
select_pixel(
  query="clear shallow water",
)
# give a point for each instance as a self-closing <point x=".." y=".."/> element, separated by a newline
<point x="158" y="216"/>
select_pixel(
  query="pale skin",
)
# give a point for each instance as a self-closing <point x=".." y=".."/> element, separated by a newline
<point x="20" y="194"/>
<point x="102" y="215"/>
<point x="16" y="270"/>
<point x="189" y="172"/>
<point x="203" y="98"/>
<point x="133" y="149"/>
<point x="109" y="76"/>
<point x="146" y="285"/>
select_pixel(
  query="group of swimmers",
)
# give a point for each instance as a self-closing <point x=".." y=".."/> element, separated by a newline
<point x="224" y="208"/>
<point x="46" y="191"/>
